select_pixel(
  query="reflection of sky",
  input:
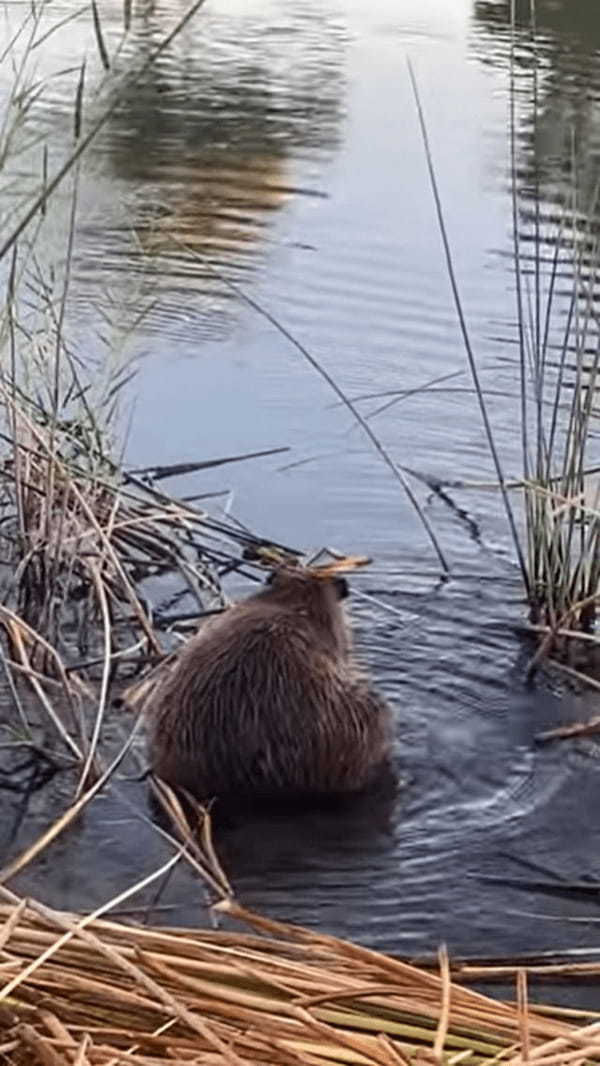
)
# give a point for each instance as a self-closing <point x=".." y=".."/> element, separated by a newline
<point x="358" y="276"/>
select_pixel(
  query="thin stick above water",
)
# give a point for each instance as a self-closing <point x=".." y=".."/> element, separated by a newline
<point x="346" y="401"/>
<point x="465" y="333"/>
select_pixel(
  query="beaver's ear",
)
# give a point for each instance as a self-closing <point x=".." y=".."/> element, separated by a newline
<point x="341" y="587"/>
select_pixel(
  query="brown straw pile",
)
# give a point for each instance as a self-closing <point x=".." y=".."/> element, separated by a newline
<point x="85" y="992"/>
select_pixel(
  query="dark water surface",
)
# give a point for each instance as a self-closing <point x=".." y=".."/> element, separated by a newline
<point x="277" y="144"/>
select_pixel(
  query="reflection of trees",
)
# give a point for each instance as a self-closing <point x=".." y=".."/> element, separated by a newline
<point x="557" y="103"/>
<point x="561" y="18"/>
<point x="205" y="139"/>
<point x="567" y="126"/>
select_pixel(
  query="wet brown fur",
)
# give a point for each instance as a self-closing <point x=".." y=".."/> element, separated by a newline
<point x="267" y="701"/>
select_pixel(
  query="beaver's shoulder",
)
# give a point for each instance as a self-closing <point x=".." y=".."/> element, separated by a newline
<point x="250" y="624"/>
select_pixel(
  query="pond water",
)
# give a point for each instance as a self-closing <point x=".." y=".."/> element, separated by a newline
<point x="276" y="146"/>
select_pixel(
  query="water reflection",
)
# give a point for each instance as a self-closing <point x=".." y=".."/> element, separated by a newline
<point x="561" y="144"/>
<point x="218" y="136"/>
<point x="578" y="20"/>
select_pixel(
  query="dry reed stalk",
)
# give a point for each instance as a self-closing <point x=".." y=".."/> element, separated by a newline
<point x="489" y="971"/>
<point x="14" y="629"/>
<point x="103" y="694"/>
<point x="522" y="1008"/>
<point x="440" y="1036"/>
<point x="196" y="839"/>
<point x="577" y="729"/>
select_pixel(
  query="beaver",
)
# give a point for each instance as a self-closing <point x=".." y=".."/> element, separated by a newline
<point x="266" y="702"/>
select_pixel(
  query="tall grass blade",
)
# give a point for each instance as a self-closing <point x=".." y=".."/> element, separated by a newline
<point x="100" y="36"/>
<point x="44" y="178"/>
<point x="78" y="105"/>
<point x="395" y="469"/>
<point x="465" y="333"/>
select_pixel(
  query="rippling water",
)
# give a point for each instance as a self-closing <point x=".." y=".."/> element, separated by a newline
<point x="276" y="145"/>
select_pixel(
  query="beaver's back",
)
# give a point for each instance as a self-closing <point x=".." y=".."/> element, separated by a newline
<point x="257" y="705"/>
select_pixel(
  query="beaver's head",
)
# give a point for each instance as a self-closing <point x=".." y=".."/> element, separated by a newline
<point x="312" y="596"/>
<point x="298" y="582"/>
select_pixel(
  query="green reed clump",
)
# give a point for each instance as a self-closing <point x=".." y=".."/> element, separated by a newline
<point x="558" y="361"/>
